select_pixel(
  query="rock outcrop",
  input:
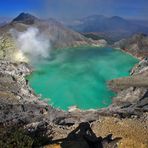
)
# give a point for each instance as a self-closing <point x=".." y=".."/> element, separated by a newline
<point x="136" y="45"/>
<point x="132" y="91"/>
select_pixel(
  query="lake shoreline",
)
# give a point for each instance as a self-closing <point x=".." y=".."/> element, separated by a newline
<point x="28" y="112"/>
<point x="87" y="56"/>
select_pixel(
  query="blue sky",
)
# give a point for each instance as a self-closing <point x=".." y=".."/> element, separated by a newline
<point x="76" y="8"/>
<point x="11" y="8"/>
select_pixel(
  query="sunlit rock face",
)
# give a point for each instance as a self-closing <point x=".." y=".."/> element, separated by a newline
<point x="9" y="50"/>
<point x="20" y="57"/>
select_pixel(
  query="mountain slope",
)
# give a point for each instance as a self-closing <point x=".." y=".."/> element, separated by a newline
<point x="25" y="18"/>
<point x="59" y="36"/>
<point x="114" y="28"/>
<point x="136" y="45"/>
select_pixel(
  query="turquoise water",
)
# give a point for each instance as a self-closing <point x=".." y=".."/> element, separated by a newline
<point x="79" y="76"/>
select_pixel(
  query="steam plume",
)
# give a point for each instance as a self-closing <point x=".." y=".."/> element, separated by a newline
<point x="32" y="43"/>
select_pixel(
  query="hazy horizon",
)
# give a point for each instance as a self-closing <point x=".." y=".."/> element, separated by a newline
<point x="69" y="9"/>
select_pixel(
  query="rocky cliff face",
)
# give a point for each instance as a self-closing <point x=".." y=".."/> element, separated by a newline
<point x="137" y="45"/>
<point x="132" y="91"/>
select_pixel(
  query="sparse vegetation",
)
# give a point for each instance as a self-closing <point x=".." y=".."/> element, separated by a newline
<point x="15" y="138"/>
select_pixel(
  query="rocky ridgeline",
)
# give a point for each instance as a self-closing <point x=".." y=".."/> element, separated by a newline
<point x="58" y="35"/>
<point x="136" y="45"/>
<point x="20" y="104"/>
<point x="21" y="108"/>
<point x="132" y="92"/>
<point x="141" y="67"/>
<point x="17" y="96"/>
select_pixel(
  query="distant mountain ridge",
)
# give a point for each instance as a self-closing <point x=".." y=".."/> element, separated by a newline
<point x="4" y="20"/>
<point x="114" y="27"/>
<point x="25" y="18"/>
<point x="58" y="35"/>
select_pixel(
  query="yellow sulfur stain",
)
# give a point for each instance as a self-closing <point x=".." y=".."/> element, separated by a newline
<point x="19" y="56"/>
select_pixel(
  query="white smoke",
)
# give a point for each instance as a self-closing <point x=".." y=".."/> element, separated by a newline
<point x="32" y="43"/>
